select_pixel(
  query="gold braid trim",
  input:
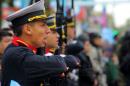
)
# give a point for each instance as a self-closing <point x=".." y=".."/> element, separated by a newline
<point x="37" y="17"/>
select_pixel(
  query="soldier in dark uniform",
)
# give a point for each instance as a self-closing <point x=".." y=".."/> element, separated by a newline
<point x="5" y="40"/>
<point x="20" y="61"/>
<point x="51" y="48"/>
<point x="52" y="38"/>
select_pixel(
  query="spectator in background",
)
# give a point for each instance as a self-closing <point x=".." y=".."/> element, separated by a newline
<point x="5" y="40"/>
<point x="9" y="30"/>
<point x="112" y="71"/>
<point x="124" y="57"/>
<point x="124" y="46"/>
<point x="95" y="55"/>
<point x="110" y="62"/>
<point x="86" y="73"/>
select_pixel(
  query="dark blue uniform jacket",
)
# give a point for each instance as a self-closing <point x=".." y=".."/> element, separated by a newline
<point x="28" y="69"/>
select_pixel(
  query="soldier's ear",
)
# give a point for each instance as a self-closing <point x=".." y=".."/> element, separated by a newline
<point x="27" y="29"/>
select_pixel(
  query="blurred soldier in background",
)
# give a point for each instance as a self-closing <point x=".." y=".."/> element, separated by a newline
<point x="52" y="37"/>
<point x="10" y="30"/>
<point x="5" y="40"/>
<point x="70" y="29"/>
<point x="51" y="48"/>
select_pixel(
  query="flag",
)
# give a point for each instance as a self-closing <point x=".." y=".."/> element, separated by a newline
<point x="103" y="20"/>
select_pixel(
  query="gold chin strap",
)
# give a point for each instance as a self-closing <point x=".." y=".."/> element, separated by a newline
<point x="52" y="27"/>
<point x="52" y="50"/>
<point x="70" y="24"/>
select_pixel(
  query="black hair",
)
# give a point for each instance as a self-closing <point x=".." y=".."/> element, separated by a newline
<point x="17" y="30"/>
<point x="92" y="37"/>
<point x="4" y="33"/>
<point x="83" y="38"/>
<point x="6" y="29"/>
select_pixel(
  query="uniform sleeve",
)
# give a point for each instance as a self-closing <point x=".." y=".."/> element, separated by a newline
<point x="37" y="67"/>
<point x="72" y="62"/>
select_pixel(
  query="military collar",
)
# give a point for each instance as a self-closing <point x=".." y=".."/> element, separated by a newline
<point x="19" y="42"/>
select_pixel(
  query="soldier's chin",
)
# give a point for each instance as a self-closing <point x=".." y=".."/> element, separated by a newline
<point x="43" y="44"/>
<point x="40" y="44"/>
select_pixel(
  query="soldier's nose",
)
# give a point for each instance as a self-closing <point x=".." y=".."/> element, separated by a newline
<point x="48" y="31"/>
